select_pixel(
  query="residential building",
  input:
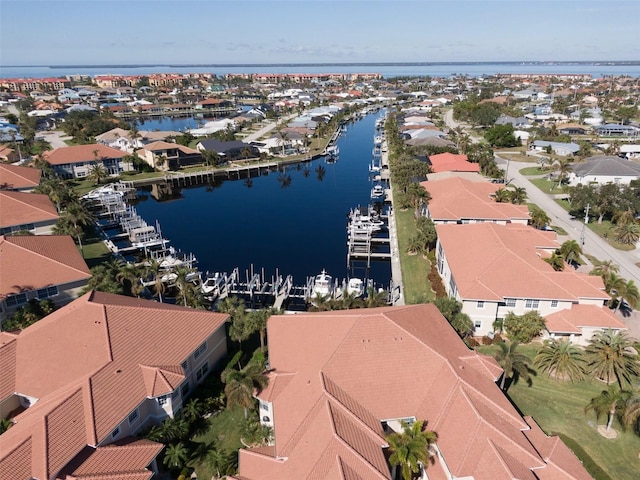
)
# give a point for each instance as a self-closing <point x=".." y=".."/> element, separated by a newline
<point x="341" y="381"/>
<point x="559" y="148"/>
<point x="228" y="151"/>
<point x="39" y="267"/>
<point x="602" y="169"/>
<point x="616" y="130"/>
<point x="19" y="178"/>
<point x="451" y="162"/>
<point x="580" y="322"/>
<point x="495" y="269"/>
<point x="80" y="382"/>
<point x="459" y="200"/>
<point x="29" y="212"/>
<point x="77" y="161"/>
<point x="169" y="156"/>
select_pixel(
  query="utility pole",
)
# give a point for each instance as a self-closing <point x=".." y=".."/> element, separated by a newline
<point x="584" y="225"/>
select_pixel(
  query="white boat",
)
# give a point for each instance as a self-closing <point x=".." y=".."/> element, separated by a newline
<point x="377" y="191"/>
<point x="211" y="285"/>
<point x="322" y="285"/>
<point x="355" y="287"/>
<point x="332" y="151"/>
<point x="377" y="140"/>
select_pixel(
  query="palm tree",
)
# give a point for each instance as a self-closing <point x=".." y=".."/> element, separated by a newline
<point x="502" y="195"/>
<point x="610" y="402"/>
<point x="608" y="357"/>
<point x="78" y="217"/>
<point x="518" y="196"/>
<point x="604" y="269"/>
<point x="257" y="321"/>
<point x="97" y="173"/>
<point x="563" y="167"/>
<point x="240" y="384"/>
<point x="631" y="413"/>
<point x="410" y="449"/>
<point x="192" y="410"/>
<point x="129" y="274"/>
<point x="222" y="462"/>
<point x="513" y="363"/>
<point x="571" y="251"/>
<point x="627" y="233"/>
<point x="154" y="270"/>
<point x="561" y="359"/>
<point x="375" y="298"/>
<point x="556" y="261"/>
<point x="176" y="455"/>
<point x="628" y="292"/>
<point x="539" y="218"/>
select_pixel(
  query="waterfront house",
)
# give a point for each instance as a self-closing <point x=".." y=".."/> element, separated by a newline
<point x="82" y="381"/>
<point x="495" y="269"/>
<point x="460" y="200"/>
<point x="169" y="156"/>
<point x="602" y="169"/>
<point x="229" y="151"/>
<point x="572" y="129"/>
<point x="341" y="381"/>
<point x="19" y="178"/>
<point x="616" y="130"/>
<point x="43" y="266"/>
<point x="26" y="212"/>
<point x="451" y="162"/>
<point x="121" y="139"/>
<point x="559" y="148"/>
<point x="77" y="161"/>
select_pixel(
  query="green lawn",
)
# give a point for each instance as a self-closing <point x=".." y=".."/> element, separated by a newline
<point x="223" y="431"/>
<point x="415" y="268"/>
<point x="547" y="186"/>
<point x="533" y="171"/>
<point x="606" y="231"/>
<point x="559" y="409"/>
<point x="94" y="250"/>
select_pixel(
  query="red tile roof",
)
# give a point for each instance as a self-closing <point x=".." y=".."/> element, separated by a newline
<point x="82" y="153"/>
<point x="504" y="261"/>
<point x="348" y="371"/>
<point x="17" y="177"/>
<point x="571" y="320"/>
<point x="19" y="208"/>
<point x="86" y="364"/>
<point x="450" y="162"/>
<point x="456" y="198"/>
<point x="32" y="262"/>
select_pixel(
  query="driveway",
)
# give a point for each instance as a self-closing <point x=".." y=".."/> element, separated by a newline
<point x="593" y="244"/>
<point x="55" y="138"/>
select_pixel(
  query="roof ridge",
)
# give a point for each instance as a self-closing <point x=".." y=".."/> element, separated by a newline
<point x="44" y="256"/>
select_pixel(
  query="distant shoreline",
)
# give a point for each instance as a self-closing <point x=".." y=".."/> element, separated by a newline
<point x="334" y="64"/>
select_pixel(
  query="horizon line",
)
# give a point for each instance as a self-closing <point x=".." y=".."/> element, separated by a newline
<point x="336" y="64"/>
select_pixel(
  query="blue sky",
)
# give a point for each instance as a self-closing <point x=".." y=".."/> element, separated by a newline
<point x="308" y="31"/>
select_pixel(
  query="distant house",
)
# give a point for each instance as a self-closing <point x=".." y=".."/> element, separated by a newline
<point x="559" y="148"/>
<point x="572" y="130"/>
<point x="24" y="211"/>
<point x="603" y="169"/>
<point x="82" y="382"/>
<point x="458" y="200"/>
<point x="8" y="154"/>
<point x="516" y="122"/>
<point x="169" y="156"/>
<point x="19" y="178"/>
<point x="77" y="161"/>
<point x="229" y="151"/>
<point x="502" y="270"/>
<point x="119" y="138"/>
<point x="616" y="130"/>
<point x="451" y="162"/>
<point x="39" y="267"/>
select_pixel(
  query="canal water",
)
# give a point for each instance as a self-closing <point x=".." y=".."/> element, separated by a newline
<point x="292" y="221"/>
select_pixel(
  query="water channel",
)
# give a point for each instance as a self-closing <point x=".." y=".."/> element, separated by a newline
<point x="292" y="221"/>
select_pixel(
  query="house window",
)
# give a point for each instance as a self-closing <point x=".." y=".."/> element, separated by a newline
<point x="554" y="303"/>
<point x="477" y="324"/>
<point x="264" y="406"/>
<point x="162" y="400"/>
<point x="47" y="292"/>
<point x="531" y="303"/>
<point x="510" y="302"/>
<point x="480" y="304"/>
<point x="202" y="371"/>
<point x="175" y="394"/>
<point x="185" y="389"/>
<point x="19" y="299"/>
<point x="200" y="350"/>
<point x="115" y="433"/>
<point x="185" y="364"/>
<point x="133" y="416"/>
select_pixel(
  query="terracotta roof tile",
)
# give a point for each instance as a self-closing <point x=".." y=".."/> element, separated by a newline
<point x="8" y="347"/>
<point x="32" y="262"/>
<point x="16" y="464"/>
<point x="19" y="208"/>
<point x="82" y="153"/>
<point x="161" y="380"/>
<point x="450" y="162"/>
<point x="456" y="198"/>
<point x="18" y="177"/>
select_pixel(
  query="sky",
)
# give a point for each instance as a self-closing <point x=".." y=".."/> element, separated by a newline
<point x="115" y="32"/>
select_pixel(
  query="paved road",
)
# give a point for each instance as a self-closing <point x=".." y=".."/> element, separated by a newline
<point x="593" y="244"/>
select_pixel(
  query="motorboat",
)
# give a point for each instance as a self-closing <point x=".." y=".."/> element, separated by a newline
<point x="377" y="140"/>
<point x="332" y="151"/>
<point x="322" y="285"/>
<point x="355" y="287"/>
<point x="211" y="285"/>
<point x="377" y="191"/>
